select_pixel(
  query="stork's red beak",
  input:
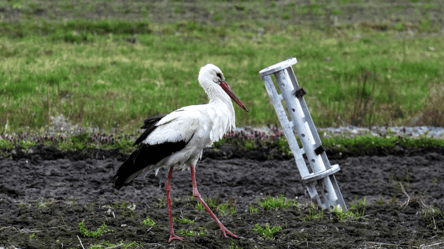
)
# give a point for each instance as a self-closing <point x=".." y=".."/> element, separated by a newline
<point x="232" y="95"/>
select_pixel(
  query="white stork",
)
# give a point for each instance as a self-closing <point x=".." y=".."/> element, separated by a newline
<point x="178" y="139"/>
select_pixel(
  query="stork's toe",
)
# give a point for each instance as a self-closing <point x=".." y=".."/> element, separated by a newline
<point x="226" y="231"/>
<point x="173" y="236"/>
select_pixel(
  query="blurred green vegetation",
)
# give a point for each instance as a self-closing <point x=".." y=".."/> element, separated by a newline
<point x="109" y="73"/>
<point x="110" y="64"/>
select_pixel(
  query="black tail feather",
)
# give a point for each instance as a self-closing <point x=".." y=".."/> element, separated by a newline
<point x="146" y="155"/>
<point x="130" y="167"/>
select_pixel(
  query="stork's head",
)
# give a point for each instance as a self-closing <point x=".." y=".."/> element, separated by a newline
<point x="212" y="81"/>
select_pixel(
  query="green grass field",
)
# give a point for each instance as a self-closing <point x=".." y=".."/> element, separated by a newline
<point x="113" y="73"/>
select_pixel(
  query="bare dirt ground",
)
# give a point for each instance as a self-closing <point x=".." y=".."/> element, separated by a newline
<point x="48" y="193"/>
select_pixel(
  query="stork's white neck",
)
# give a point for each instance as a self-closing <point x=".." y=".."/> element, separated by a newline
<point x="209" y="78"/>
<point x="220" y="100"/>
<point x="224" y="102"/>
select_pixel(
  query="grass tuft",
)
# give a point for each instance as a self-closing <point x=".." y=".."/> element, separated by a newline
<point x="314" y="213"/>
<point x="252" y="209"/>
<point x="199" y="206"/>
<point x="149" y="222"/>
<point x="359" y="208"/>
<point x="184" y="221"/>
<point x="187" y="232"/>
<point x="266" y="231"/>
<point x="211" y="202"/>
<point x="85" y="233"/>
<point x="106" y="244"/>
<point x="227" y="208"/>
<point x="271" y="203"/>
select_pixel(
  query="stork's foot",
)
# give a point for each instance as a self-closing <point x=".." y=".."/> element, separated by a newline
<point x="225" y="231"/>
<point x="173" y="236"/>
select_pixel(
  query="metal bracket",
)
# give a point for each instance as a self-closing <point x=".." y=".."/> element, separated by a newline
<point x="319" y="150"/>
<point x="300" y="93"/>
<point x="319" y="179"/>
<point x="318" y="176"/>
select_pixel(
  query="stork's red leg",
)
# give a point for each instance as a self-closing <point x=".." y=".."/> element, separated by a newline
<point x="199" y="198"/>
<point x="170" y="214"/>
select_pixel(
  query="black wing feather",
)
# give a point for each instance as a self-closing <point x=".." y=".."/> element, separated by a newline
<point x="150" y="125"/>
<point x="145" y="155"/>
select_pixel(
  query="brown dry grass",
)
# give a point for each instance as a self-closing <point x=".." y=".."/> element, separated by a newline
<point x="433" y="111"/>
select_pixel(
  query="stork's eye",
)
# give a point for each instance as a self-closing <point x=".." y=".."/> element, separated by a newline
<point x="219" y="75"/>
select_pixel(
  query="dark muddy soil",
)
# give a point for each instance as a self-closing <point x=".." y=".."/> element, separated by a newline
<point x="45" y="195"/>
